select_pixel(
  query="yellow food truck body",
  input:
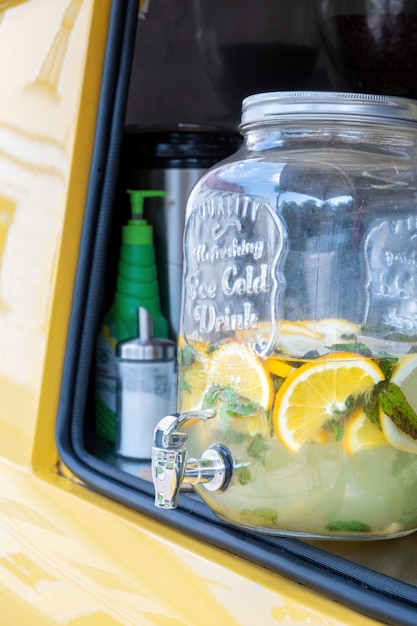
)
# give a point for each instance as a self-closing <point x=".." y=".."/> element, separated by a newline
<point x="70" y="553"/>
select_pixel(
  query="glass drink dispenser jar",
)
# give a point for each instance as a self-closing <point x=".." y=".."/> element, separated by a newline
<point x="297" y="392"/>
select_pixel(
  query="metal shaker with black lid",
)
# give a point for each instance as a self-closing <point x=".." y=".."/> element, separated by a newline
<point x="146" y="381"/>
<point x="172" y="159"/>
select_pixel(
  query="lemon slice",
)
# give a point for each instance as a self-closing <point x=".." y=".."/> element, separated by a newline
<point x="235" y="365"/>
<point x="301" y="329"/>
<point x="361" y="433"/>
<point x="333" y="329"/>
<point x="396" y="437"/>
<point x="405" y="376"/>
<point x="278" y="367"/>
<point x="317" y="392"/>
<point x="296" y="339"/>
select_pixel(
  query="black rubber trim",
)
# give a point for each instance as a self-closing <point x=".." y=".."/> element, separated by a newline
<point x="370" y="593"/>
<point x="88" y="286"/>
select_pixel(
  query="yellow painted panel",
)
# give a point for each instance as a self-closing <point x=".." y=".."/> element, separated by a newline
<point x="76" y="558"/>
<point x="48" y="103"/>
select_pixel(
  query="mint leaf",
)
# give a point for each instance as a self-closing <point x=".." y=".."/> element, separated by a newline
<point x="349" y="525"/>
<point x="183" y="385"/>
<point x="339" y="431"/>
<point x="371" y="403"/>
<point x="355" y="347"/>
<point x="186" y="356"/>
<point x="401" y="337"/>
<point x="234" y="405"/>
<point x="276" y="382"/>
<point x="387" y="365"/>
<point x="257" y="448"/>
<point x="259" y="517"/>
<point x="243" y="474"/>
<point x="210" y="397"/>
<point x="336" y="427"/>
<point x="395" y="405"/>
<point x="241" y="409"/>
<point x="378" y="330"/>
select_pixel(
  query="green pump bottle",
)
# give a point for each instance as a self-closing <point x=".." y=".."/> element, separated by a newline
<point x="136" y="286"/>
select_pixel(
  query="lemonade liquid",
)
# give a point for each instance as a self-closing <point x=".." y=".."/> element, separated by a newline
<point x="322" y="490"/>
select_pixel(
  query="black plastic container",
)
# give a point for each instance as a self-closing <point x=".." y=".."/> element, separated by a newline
<point x="372" y="44"/>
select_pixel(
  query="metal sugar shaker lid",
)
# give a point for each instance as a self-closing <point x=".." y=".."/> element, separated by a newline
<point x="146" y="347"/>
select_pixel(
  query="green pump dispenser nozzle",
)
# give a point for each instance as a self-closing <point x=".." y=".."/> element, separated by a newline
<point x="137" y="231"/>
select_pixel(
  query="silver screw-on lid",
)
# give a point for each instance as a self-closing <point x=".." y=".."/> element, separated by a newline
<point x="146" y="347"/>
<point x="268" y="108"/>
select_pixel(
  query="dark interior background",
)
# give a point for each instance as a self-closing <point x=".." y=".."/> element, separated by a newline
<point x="170" y="83"/>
